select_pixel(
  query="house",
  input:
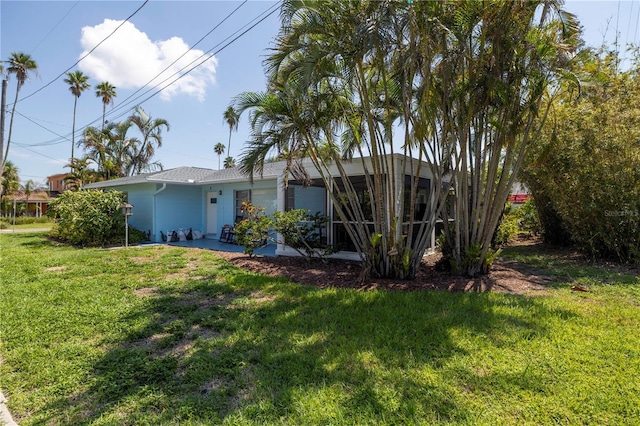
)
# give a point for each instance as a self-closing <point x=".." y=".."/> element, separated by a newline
<point x="35" y="204"/>
<point x="57" y="184"/>
<point x="520" y="194"/>
<point x="205" y="199"/>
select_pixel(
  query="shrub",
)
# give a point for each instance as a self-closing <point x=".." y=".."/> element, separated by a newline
<point x="89" y="217"/>
<point x="298" y="229"/>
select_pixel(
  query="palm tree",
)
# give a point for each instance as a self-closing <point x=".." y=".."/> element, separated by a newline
<point x="80" y="174"/>
<point x="10" y="181"/>
<point x="28" y="188"/>
<point x="77" y="82"/>
<point x="463" y="80"/>
<point x="229" y="163"/>
<point x="21" y="65"/>
<point x="219" y="149"/>
<point x="107" y="92"/>
<point x="232" y="118"/>
<point x="151" y="130"/>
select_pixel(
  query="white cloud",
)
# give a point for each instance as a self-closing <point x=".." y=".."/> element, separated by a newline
<point x="129" y="59"/>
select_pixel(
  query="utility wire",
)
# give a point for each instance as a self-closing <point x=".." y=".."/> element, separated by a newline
<point x="125" y="102"/>
<point x="207" y="55"/>
<point x="87" y="54"/>
<point x="257" y="20"/>
<point x="54" y="27"/>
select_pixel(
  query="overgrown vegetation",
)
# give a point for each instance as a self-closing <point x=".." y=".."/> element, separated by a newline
<point x="585" y="169"/>
<point x="90" y="218"/>
<point x="168" y="335"/>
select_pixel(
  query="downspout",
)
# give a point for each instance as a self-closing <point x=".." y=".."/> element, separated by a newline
<point x="155" y="223"/>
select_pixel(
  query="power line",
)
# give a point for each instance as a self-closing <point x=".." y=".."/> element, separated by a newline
<point x="87" y="54"/>
<point x="55" y="26"/>
<point x="251" y="24"/>
<point x="268" y="12"/>
<point x="126" y="101"/>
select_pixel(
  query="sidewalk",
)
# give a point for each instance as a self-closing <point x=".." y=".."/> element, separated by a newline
<point x="5" y="416"/>
<point x="20" y="231"/>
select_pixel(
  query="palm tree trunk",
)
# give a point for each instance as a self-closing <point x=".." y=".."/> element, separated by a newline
<point x="13" y="113"/>
<point x="73" y="128"/>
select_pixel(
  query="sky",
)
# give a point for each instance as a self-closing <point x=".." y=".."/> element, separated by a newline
<point x="57" y="34"/>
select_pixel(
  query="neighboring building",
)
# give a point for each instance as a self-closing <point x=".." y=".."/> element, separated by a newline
<point x="519" y="194"/>
<point x="56" y="184"/>
<point x="34" y="205"/>
<point x="206" y="199"/>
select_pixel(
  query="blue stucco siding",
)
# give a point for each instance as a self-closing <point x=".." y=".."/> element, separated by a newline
<point x="141" y="197"/>
<point x="179" y="206"/>
<point x="263" y="194"/>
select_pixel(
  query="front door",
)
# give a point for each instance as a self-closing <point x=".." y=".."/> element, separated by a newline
<point x="212" y="212"/>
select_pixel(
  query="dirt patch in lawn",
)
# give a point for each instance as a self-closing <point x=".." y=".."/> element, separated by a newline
<point x="505" y="277"/>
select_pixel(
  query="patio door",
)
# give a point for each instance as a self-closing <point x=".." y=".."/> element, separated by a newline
<point x="212" y="213"/>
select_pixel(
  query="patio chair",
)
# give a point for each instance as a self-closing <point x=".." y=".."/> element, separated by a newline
<point x="227" y="234"/>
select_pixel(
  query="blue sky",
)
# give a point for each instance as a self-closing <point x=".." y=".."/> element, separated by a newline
<point x="57" y="33"/>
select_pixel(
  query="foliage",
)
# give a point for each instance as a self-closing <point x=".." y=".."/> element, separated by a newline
<point x="456" y="85"/>
<point x="298" y="229"/>
<point x="508" y="228"/>
<point x="529" y="221"/>
<point x="169" y="335"/>
<point x="585" y="169"/>
<point x="303" y="232"/>
<point x="89" y="218"/>
<point x="252" y="232"/>
<point x="23" y="220"/>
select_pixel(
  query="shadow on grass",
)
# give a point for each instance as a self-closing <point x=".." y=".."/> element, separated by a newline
<point x="251" y="348"/>
<point x="568" y="265"/>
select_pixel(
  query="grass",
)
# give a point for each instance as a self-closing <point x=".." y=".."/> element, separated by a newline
<point x="47" y="225"/>
<point x="166" y="335"/>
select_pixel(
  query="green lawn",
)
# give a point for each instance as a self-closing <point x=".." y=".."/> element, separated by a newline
<point x="163" y="335"/>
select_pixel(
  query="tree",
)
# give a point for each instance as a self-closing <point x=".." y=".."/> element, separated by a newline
<point x="80" y="175"/>
<point x="151" y="130"/>
<point x="28" y="188"/>
<point x="77" y="82"/>
<point x="229" y="163"/>
<point x="232" y="118"/>
<point x="584" y="169"/>
<point x="219" y="149"/>
<point x="111" y="149"/>
<point x="455" y="85"/>
<point x="107" y="92"/>
<point x="21" y="65"/>
<point x="10" y="182"/>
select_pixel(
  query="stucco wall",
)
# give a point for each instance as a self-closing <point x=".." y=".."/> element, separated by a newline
<point x="179" y="206"/>
<point x="140" y="197"/>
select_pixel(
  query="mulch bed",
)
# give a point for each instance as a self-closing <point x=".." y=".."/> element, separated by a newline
<point x="505" y="277"/>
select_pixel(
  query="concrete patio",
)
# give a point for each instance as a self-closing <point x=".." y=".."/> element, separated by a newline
<point x="211" y="243"/>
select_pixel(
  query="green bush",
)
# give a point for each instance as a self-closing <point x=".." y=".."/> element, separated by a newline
<point x="584" y="169"/>
<point x="298" y="229"/>
<point x="90" y="218"/>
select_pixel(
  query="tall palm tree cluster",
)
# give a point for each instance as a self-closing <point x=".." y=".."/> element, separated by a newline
<point x="114" y="153"/>
<point x="110" y="148"/>
<point x="460" y="86"/>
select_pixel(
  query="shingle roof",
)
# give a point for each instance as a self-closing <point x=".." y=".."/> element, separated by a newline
<point x="190" y="176"/>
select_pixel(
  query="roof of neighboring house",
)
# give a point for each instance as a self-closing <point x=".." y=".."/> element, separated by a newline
<point x="33" y="196"/>
<point x="191" y="176"/>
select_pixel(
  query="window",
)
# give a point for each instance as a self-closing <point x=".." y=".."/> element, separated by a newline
<point x="241" y="197"/>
